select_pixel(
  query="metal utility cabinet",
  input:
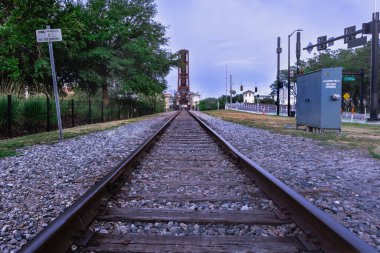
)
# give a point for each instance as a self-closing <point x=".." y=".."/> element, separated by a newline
<point x="319" y="99"/>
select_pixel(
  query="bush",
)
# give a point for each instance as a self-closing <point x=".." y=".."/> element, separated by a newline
<point x="4" y="111"/>
<point x="34" y="111"/>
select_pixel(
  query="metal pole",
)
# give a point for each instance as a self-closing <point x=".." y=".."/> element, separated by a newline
<point x="72" y="113"/>
<point x="226" y="89"/>
<point x="55" y="86"/>
<point x="361" y="106"/>
<point x="89" y="110"/>
<point x="47" y="114"/>
<point x="289" y="74"/>
<point x="278" y="75"/>
<point x="230" y="90"/>
<point x="9" y="115"/>
<point x="373" y="116"/>
<point x="298" y="51"/>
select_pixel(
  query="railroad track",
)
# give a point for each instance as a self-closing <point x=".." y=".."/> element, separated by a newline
<point x="188" y="190"/>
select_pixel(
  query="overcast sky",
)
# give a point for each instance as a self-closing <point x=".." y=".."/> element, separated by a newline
<point x="242" y="34"/>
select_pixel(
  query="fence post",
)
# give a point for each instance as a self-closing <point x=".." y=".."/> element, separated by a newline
<point x="89" y="110"/>
<point x="47" y="114"/>
<point x="118" y="110"/>
<point x="72" y="113"/>
<point x="9" y="115"/>
<point x="102" y="104"/>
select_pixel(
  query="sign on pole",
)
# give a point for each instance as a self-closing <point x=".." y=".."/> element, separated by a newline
<point x="49" y="35"/>
<point x="346" y="96"/>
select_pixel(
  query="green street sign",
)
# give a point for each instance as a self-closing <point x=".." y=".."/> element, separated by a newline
<point x="349" y="78"/>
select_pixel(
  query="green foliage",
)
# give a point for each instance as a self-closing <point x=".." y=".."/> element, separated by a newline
<point x="112" y="45"/>
<point x="208" y="104"/>
<point x="15" y="112"/>
<point x="33" y="114"/>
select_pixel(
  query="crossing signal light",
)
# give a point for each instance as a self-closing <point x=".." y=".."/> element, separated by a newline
<point x="323" y="46"/>
<point x="349" y="30"/>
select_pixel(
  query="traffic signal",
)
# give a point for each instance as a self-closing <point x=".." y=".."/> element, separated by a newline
<point x="321" y="40"/>
<point x="349" y="30"/>
<point x="255" y="89"/>
<point x="241" y="87"/>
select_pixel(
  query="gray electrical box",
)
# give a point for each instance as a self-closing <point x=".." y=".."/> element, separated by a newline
<point x="319" y="97"/>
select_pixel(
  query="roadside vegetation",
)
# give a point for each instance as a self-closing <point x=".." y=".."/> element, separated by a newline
<point x="8" y="147"/>
<point x="365" y="137"/>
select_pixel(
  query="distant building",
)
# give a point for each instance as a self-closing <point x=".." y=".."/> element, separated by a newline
<point x="248" y="96"/>
<point x="168" y="101"/>
<point x="195" y="98"/>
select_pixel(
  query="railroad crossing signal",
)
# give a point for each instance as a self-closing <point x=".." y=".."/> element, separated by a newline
<point x="322" y="46"/>
<point x="347" y="31"/>
<point x="372" y="28"/>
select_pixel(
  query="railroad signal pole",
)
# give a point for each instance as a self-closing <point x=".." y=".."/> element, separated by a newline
<point x="230" y="90"/>
<point x="289" y="86"/>
<point x="374" y="100"/>
<point x="349" y="38"/>
<point x="279" y="50"/>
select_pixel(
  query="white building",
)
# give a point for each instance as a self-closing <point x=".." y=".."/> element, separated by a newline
<point x="168" y="101"/>
<point x="195" y="98"/>
<point x="248" y="96"/>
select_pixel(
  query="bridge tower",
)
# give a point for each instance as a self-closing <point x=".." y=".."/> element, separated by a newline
<point x="183" y="95"/>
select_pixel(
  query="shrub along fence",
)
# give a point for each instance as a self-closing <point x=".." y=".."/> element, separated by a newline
<point x="20" y="116"/>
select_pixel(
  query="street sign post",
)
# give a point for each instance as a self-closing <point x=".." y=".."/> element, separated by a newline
<point x="49" y="35"/>
<point x="346" y="96"/>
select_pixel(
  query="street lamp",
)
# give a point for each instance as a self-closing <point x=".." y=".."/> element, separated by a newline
<point x="298" y="30"/>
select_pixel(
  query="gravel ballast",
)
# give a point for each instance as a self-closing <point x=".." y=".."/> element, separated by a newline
<point x="37" y="185"/>
<point x="344" y="183"/>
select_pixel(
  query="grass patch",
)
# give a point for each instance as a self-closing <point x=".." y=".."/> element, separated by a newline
<point x="353" y="135"/>
<point x="8" y="147"/>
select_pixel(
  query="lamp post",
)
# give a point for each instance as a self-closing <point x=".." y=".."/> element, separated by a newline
<point x="298" y="30"/>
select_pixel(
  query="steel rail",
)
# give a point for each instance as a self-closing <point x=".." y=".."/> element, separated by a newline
<point x="70" y="226"/>
<point x="321" y="230"/>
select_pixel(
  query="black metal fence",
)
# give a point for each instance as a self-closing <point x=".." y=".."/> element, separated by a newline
<point x="20" y="116"/>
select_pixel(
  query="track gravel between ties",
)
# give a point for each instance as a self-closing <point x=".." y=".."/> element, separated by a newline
<point x="187" y="194"/>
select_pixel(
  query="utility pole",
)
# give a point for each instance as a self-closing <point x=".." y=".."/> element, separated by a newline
<point x="361" y="106"/>
<point x="230" y="90"/>
<point x="279" y="50"/>
<point x="298" y="51"/>
<point x="373" y="115"/>
<point x="289" y="85"/>
<point x="225" y="102"/>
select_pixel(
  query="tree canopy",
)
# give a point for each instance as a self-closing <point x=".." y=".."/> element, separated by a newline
<point x="115" y="46"/>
